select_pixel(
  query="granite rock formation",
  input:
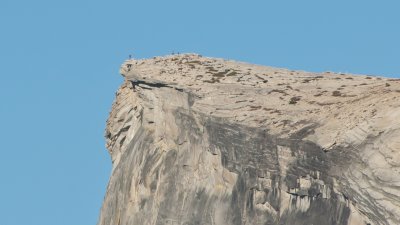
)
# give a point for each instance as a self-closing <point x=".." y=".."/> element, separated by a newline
<point x="204" y="141"/>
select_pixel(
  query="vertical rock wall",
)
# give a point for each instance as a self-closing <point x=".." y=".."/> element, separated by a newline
<point x="174" y="163"/>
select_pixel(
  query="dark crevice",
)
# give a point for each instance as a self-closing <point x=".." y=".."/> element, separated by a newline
<point x="297" y="195"/>
<point x="153" y="84"/>
<point x="122" y="141"/>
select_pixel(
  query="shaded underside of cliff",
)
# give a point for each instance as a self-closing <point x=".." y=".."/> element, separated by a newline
<point x="197" y="140"/>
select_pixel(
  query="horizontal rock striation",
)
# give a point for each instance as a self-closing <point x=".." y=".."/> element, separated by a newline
<point x="197" y="140"/>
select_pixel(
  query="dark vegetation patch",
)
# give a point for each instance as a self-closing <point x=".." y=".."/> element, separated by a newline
<point x="336" y="93"/>
<point x="307" y="80"/>
<point x="194" y="62"/>
<point x="213" y="80"/>
<point x="278" y="91"/>
<point x="294" y="100"/>
<point x="271" y="110"/>
<point x="220" y="74"/>
<point x="211" y="69"/>
<point x="252" y="108"/>
<point x="233" y="73"/>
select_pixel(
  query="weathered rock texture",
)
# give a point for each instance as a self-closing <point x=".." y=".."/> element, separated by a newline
<point x="197" y="140"/>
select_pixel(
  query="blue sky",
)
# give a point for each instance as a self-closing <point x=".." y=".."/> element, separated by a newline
<point x="59" y="71"/>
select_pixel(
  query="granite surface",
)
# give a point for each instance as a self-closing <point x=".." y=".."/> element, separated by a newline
<point x="203" y="141"/>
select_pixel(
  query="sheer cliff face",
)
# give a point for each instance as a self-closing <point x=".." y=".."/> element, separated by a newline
<point x="197" y="140"/>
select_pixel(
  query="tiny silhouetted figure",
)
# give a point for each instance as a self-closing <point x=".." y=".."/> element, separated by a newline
<point x="173" y="53"/>
<point x="130" y="56"/>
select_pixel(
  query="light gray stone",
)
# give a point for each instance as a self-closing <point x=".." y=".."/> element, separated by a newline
<point x="197" y="140"/>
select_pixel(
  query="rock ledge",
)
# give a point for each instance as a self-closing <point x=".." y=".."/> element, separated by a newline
<point x="198" y="140"/>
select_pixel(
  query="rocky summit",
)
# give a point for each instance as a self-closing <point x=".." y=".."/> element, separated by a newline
<point x="204" y="141"/>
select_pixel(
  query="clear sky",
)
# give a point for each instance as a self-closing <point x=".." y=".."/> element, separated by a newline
<point x="59" y="64"/>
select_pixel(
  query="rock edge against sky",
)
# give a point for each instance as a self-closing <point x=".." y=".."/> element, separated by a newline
<point x="198" y="140"/>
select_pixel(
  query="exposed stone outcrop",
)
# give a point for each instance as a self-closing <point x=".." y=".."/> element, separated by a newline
<point x="197" y="140"/>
